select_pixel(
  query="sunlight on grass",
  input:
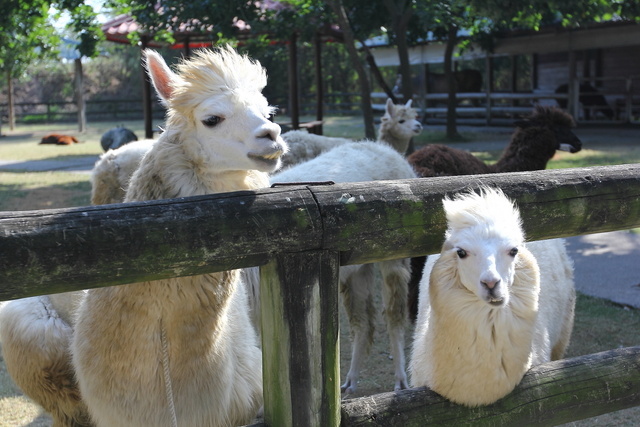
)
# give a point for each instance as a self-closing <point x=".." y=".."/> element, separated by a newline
<point x="46" y="190"/>
<point x="588" y="157"/>
<point x="602" y="325"/>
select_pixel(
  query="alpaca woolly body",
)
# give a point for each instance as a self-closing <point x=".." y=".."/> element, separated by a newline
<point x="304" y="146"/>
<point x="398" y="125"/>
<point x="111" y="173"/>
<point x="532" y="145"/>
<point x="357" y="162"/>
<point x="36" y="333"/>
<point x="353" y="162"/>
<point x="474" y="349"/>
<point x="185" y="346"/>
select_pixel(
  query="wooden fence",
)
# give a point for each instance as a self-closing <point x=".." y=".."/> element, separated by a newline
<point x="61" y="112"/>
<point x="300" y="235"/>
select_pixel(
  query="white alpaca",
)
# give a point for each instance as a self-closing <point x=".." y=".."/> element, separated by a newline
<point x="488" y="310"/>
<point x="36" y="334"/>
<point x="182" y="351"/>
<point x="365" y="161"/>
<point x="398" y="125"/>
<point x="111" y="174"/>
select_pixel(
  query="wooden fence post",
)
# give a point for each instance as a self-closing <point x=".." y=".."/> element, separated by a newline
<point x="301" y="370"/>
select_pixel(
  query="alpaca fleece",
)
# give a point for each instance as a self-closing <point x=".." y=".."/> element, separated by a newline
<point x="474" y="349"/>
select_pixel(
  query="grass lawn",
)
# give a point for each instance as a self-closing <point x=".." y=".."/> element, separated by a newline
<point x="600" y="325"/>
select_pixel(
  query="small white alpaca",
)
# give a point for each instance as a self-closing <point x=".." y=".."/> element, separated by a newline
<point x="111" y="174"/>
<point x="357" y="162"/>
<point x="398" y="125"/>
<point x="488" y="310"/>
<point x="182" y="351"/>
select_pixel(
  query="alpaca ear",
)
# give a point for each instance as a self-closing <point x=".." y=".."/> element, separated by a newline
<point x="389" y="106"/>
<point x="160" y="74"/>
<point x="408" y="104"/>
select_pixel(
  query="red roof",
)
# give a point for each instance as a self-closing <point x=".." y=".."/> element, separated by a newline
<point x="118" y="29"/>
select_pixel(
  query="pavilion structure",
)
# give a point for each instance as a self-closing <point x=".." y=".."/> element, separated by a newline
<point x="120" y="28"/>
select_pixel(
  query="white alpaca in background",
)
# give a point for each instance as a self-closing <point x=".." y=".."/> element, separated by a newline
<point x="357" y="162"/>
<point x="488" y="310"/>
<point x="111" y="174"/>
<point x="398" y="125"/>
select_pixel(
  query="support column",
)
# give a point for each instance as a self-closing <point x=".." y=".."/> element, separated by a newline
<point x="300" y="332"/>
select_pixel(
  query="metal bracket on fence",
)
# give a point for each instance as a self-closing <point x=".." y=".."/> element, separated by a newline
<point x="289" y="184"/>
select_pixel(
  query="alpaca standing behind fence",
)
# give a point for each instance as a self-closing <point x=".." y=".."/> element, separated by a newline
<point x="533" y="143"/>
<point x="183" y="349"/>
<point x="357" y="162"/>
<point x="488" y="309"/>
<point x="180" y="351"/>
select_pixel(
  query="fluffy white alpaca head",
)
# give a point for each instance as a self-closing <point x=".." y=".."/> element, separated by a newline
<point x="216" y="107"/>
<point x="486" y="233"/>
<point x="401" y="120"/>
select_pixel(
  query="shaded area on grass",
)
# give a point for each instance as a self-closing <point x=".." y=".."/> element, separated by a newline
<point x="43" y="190"/>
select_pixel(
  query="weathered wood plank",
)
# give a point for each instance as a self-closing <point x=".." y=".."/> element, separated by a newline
<point x="549" y="394"/>
<point x="299" y="306"/>
<point x="66" y="249"/>
<point x="398" y="219"/>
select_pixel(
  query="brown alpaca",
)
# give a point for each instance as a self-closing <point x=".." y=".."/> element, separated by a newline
<point x="58" y="139"/>
<point x="532" y="145"/>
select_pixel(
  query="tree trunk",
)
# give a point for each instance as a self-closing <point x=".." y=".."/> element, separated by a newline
<point x="365" y="86"/>
<point x="375" y="71"/>
<point x="401" y="13"/>
<point x="294" y="105"/>
<point x="79" y="88"/>
<point x="10" y="106"/>
<point x="452" y="102"/>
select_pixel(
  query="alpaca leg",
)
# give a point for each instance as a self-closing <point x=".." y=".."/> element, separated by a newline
<point x="559" y="348"/>
<point x="355" y="287"/>
<point x="395" y="277"/>
<point x="35" y="346"/>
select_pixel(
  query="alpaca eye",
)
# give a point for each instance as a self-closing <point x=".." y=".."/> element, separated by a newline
<point x="461" y="253"/>
<point x="513" y="251"/>
<point x="401" y="121"/>
<point x="212" y="121"/>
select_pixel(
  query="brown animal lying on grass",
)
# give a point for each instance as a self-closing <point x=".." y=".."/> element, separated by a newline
<point x="56" y="138"/>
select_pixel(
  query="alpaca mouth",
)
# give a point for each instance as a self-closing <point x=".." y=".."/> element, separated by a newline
<point x="494" y="301"/>
<point x="270" y="158"/>
<point x="570" y="148"/>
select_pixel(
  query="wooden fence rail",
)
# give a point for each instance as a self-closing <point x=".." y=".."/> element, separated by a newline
<point x="301" y="234"/>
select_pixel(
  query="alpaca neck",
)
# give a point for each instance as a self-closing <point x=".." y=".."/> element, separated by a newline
<point x="399" y="144"/>
<point x="169" y="172"/>
<point x="522" y="154"/>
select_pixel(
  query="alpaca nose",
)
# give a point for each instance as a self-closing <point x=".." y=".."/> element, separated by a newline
<point x="270" y="131"/>
<point x="490" y="284"/>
